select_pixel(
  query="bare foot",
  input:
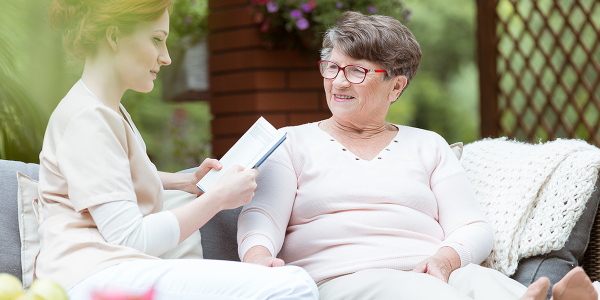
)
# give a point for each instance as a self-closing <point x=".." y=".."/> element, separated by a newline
<point x="576" y="285"/>
<point x="537" y="290"/>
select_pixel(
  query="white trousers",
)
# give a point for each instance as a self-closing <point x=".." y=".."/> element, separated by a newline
<point x="200" y="279"/>
<point x="470" y="282"/>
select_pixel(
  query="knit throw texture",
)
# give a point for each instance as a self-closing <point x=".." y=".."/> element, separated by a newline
<point x="532" y="194"/>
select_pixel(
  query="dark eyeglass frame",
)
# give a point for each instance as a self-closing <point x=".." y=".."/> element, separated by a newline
<point x="343" y="69"/>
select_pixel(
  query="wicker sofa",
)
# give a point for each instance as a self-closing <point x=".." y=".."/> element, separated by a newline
<point x="219" y="235"/>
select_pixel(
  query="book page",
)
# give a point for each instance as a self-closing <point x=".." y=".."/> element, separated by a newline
<point x="245" y="152"/>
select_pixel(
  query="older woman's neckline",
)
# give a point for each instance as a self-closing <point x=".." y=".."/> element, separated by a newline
<point x="333" y="129"/>
<point x="359" y="149"/>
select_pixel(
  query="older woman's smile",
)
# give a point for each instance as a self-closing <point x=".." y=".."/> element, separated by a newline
<point x="342" y="98"/>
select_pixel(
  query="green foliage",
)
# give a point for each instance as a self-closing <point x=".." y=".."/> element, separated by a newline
<point x="188" y="19"/>
<point x="444" y="95"/>
<point x="21" y="124"/>
<point x="300" y="24"/>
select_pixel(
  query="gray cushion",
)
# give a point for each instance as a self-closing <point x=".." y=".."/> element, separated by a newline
<point x="556" y="264"/>
<point x="219" y="235"/>
<point x="10" y="242"/>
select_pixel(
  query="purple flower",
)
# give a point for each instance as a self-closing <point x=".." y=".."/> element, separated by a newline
<point x="296" y="14"/>
<point x="272" y="7"/>
<point x="187" y="20"/>
<point x="339" y="4"/>
<point x="407" y="15"/>
<point x="371" y="8"/>
<point x="302" y="24"/>
<point x="306" y="7"/>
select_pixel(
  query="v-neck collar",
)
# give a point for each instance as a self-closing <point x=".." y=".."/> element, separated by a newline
<point x="345" y="151"/>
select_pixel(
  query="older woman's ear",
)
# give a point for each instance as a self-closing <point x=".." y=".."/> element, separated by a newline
<point x="400" y="83"/>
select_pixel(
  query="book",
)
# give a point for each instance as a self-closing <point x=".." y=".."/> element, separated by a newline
<point x="250" y="151"/>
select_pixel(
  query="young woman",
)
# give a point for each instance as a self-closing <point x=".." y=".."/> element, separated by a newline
<point x="101" y="197"/>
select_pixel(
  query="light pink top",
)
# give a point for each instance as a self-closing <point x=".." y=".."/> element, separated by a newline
<point x="90" y="156"/>
<point x="324" y="209"/>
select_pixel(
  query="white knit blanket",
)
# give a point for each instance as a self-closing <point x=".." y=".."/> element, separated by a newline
<point x="532" y="194"/>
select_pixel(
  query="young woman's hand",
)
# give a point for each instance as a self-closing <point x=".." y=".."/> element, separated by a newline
<point x="205" y="166"/>
<point x="235" y="188"/>
<point x="187" y="181"/>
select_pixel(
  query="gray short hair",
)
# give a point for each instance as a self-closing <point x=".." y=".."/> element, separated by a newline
<point x="379" y="39"/>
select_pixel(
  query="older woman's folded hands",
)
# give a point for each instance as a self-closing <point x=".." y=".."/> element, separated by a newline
<point x="441" y="264"/>
<point x="261" y="256"/>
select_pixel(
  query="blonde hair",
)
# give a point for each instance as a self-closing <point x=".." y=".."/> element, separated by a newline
<point x="84" y="22"/>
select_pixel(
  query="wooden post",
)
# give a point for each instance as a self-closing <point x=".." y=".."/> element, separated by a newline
<point x="487" y="51"/>
<point x="247" y="80"/>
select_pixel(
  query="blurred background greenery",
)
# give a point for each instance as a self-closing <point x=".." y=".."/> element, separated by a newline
<point x="35" y="75"/>
<point x="444" y="96"/>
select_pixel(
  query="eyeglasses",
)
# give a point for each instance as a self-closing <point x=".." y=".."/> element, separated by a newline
<point x="354" y="74"/>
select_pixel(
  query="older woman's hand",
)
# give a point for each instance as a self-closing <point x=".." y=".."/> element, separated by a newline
<point x="441" y="264"/>
<point x="261" y="256"/>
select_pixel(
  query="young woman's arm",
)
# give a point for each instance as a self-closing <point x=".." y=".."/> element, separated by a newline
<point x="121" y="222"/>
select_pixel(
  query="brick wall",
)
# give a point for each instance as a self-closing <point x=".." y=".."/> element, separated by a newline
<point x="248" y="80"/>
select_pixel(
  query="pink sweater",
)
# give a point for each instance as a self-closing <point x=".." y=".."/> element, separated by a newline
<point x="320" y="207"/>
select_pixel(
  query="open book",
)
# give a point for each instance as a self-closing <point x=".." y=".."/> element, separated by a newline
<point x="249" y="151"/>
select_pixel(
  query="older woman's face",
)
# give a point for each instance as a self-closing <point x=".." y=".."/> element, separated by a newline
<point x="364" y="103"/>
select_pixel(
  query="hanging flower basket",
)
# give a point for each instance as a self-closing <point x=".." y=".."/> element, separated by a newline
<point x="300" y="24"/>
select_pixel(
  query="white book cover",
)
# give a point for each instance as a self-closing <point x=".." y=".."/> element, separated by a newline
<point x="250" y="151"/>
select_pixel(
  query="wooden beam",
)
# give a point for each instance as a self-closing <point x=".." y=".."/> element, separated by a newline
<point x="487" y="52"/>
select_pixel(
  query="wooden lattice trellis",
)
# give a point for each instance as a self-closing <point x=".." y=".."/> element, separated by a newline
<point x="539" y="69"/>
<point x="540" y="76"/>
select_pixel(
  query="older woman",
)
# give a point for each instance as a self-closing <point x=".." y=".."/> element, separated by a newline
<point x="374" y="210"/>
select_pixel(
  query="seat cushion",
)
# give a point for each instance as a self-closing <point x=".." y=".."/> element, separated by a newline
<point x="219" y="234"/>
<point x="10" y="244"/>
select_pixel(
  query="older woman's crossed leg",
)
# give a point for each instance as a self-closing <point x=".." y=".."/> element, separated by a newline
<point x="470" y="282"/>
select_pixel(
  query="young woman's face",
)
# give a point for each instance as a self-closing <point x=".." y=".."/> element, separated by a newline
<point x="141" y="53"/>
